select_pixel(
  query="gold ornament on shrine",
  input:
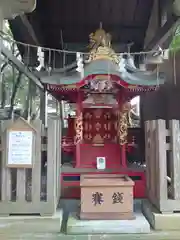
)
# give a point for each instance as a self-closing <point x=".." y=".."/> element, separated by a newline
<point x="79" y="128"/>
<point x="100" y="47"/>
<point x="123" y="123"/>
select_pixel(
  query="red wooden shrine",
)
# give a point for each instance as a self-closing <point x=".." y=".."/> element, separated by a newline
<point x="102" y="126"/>
<point x="99" y="138"/>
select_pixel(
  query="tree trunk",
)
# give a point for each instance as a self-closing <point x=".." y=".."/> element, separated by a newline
<point x="26" y="109"/>
<point x="3" y="92"/>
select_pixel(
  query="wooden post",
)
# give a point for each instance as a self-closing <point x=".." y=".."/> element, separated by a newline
<point x="58" y="157"/>
<point x="36" y="173"/>
<point x="161" y="163"/>
<point x="51" y="164"/>
<point x="147" y="156"/>
<point x="5" y="173"/>
<point x="1" y="42"/>
<point x="164" y="190"/>
<point x="152" y="173"/>
<point x="175" y="158"/>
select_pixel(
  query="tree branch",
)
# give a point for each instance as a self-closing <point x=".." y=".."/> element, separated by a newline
<point x="15" y="88"/>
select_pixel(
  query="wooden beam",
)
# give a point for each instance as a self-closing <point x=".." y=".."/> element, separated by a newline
<point x="164" y="33"/>
<point x="153" y="24"/>
<point x="30" y="29"/>
<point x="120" y="33"/>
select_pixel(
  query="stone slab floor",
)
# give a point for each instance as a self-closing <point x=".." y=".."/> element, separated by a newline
<point x="138" y="225"/>
<point x="37" y="228"/>
<point x="49" y="228"/>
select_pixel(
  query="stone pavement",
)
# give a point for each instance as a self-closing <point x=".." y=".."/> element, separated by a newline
<point x="49" y="228"/>
<point x="37" y="228"/>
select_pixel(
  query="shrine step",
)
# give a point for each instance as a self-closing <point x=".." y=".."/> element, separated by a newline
<point x="138" y="225"/>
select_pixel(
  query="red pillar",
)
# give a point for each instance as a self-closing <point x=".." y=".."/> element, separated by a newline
<point x="123" y="156"/>
<point x="78" y="155"/>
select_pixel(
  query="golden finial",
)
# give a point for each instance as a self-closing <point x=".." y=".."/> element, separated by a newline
<point x="100" y="46"/>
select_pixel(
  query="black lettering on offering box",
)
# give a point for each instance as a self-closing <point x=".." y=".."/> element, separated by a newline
<point x="97" y="198"/>
<point x="118" y="197"/>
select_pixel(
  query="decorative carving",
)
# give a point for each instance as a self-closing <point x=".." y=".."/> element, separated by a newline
<point x="79" y="128"/>
<point x="104" y="99"/>
<point x="107" y="126"/>
<point x="100" y="84"/>
<point x="107" y="115"/>
<point x="87" y="136"/>
<point x="100" y="47"/>
<point x="123" y="123"/>
<point x="86" y="126"/>
<point x="107" y="136"/>
<point x="98" y="113"/>
<point x="98" y="139"/>
<point x="88" y="116"/>
<point x="97" y="126"/>
<point x="102" y="125"/>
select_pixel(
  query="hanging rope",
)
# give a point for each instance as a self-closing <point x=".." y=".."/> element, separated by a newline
<point x="6" y="37"/>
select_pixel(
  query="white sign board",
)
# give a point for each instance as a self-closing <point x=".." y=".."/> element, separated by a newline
<point x="20" y="148"/>
<point x="101" y="163"/>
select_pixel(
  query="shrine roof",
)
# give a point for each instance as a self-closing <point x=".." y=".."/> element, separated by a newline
<point x="127" y="74"/>
<point x="104" y="65"/>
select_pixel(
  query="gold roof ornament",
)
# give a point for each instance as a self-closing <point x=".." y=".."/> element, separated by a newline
<point x="99" y="38"/>
<point x="100" y="47"/>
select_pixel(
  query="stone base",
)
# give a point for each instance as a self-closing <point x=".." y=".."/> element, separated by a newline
<point x="159" y="221"/>
<point x="138" y="225"/>
<point x="106" y="216"/>
<point x="58" y="215"/>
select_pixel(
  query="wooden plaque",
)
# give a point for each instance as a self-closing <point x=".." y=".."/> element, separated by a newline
<point x="20" y="140"/>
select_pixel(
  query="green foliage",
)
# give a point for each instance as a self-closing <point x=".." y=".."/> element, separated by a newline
<point x="7" y="29"/>
<point x="9" y="79"/>
<point x="23" y="93"/>
<point x="175" y="44"/>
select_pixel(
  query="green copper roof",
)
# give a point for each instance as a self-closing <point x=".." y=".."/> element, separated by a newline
<point x="130" y="75"/>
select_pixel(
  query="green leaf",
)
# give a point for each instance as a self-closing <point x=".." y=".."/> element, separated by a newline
<point x="175" y="44"/>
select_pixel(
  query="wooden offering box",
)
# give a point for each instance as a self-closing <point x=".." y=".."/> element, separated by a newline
<point x="106" y="197"/>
